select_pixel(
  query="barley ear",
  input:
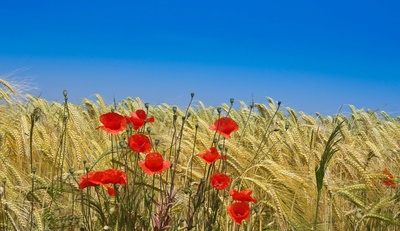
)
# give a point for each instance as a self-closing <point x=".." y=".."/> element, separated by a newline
<point x="320" y="170"/>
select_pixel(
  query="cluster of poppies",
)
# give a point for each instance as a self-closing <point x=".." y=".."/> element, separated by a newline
<point x="239" y="210"/>
<point x="154" y="162"/>
<point x="114" y="123"/>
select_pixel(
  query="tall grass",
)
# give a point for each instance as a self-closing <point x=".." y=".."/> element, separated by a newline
<point x="277" y="155"/>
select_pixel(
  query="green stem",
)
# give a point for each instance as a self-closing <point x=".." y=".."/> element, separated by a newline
<point x="32" y="207"/>
<point x="317" y="210"/>
<point x="151" y="200"/>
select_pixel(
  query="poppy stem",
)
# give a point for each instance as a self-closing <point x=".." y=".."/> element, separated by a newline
<point x="265" y="136"/>
<point x="152" y="199"/>
<point x="247" y="120"/>
<point x="215" y="140"/>
<point x="178" y="150"/>
<point x="190" y="163"/>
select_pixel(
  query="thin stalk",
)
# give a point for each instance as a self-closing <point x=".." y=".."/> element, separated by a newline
<point x="260" y="147"/>
<point x="247" y="121"/>
<point x="65" y="119"/>
<point x="34" y="117"/>
<point x="174" y="166"/>
<point x="188" y="182"/>
<point x="190" y="164"/>
<point x="32" y="204"/>
<point x="151" y="200"/>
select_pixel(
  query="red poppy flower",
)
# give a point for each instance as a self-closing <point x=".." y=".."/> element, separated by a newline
<point x="110" y="176"/>
<point x="239" y="211"/>
<point x="114" y="176"/>
<point x="110" y="190"/>
<point x="140" y="143"/>
<point x="91" y="179"/>
<point x="211" y="155"/>
<point x="154" y="163"/>
<point x="390" y="182"/>
<point x="220" y="181"/>
<point x="113" y="122"/>
<point x="138" y="118"/>
<point x="225" y="126"/>
<point x="244" y="195"/>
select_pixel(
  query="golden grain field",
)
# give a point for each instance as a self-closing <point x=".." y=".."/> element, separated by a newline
<point x="275" y="153"/>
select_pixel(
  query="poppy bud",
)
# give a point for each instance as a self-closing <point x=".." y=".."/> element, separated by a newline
<point x="220" y="147"/>
<point x="286" y="126"/>
<point x="232" y="100"/>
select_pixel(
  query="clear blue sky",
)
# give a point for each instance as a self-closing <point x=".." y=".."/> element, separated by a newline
<point x="314" y="56"/>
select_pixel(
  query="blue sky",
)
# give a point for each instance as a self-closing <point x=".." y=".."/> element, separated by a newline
<point x="314" y="56"/>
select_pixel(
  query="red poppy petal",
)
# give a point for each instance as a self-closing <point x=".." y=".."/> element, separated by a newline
<point x="114" y="176"/>
<point x="166" y="165"/>
<point x="138" y="118"/>
<point x="110" y="190"/>
<point x="244" y="195"/>
<point x="390" y="182"/>
<point x="140" y="114"/>
<point x="220" y="181"/>
<point x="145" y="169"/>
<point x="225" y="126"/>
<point x="140" y="143"/>
<point x="113" y="122"/>
<point x="154" y="163"/>
<point x="90" y="179"/>
<point x="210" y="155"/>
<point x="239" y="211"/>
<point x="84" y="182"/>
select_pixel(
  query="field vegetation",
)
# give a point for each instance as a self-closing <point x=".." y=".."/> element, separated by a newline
<point x="306" y="172"/>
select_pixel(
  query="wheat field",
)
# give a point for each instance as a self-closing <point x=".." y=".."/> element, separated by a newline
<point x="275" y="153"/>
